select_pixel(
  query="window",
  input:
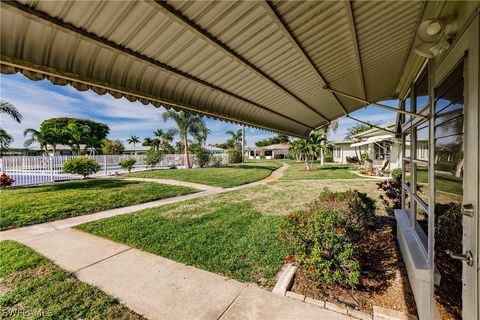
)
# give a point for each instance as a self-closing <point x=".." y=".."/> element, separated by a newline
<point x="337" y="152"/>
<point x="415" y="132"/>
<point x="382" y="150"/>
<point x="449" y="139"/>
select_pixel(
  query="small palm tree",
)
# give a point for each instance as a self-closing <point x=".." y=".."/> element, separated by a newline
<point x="8" y="108"/>
<point x="188" y="124"/>
<point x="133" y="140"/>
<point x="309" y="148"/>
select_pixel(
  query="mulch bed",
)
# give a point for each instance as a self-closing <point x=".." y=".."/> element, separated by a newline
<point x="384" y="280"/>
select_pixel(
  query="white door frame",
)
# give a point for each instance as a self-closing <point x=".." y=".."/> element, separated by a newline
<point x="468" y="47"/>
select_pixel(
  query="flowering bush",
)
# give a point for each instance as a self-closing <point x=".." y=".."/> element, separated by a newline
<point x="322" y="245"/>
<point x="354" y="207"/>
<point x="5" y="180"/>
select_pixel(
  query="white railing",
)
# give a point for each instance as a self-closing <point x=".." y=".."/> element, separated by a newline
<point x="30" y="170"/>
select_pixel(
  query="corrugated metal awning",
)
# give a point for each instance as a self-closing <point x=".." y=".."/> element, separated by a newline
<point x="258" y="63"/>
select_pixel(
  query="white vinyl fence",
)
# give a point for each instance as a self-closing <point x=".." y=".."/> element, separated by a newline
<point x="30" y="170"/>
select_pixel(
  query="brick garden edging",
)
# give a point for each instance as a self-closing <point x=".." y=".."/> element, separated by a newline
<point x="285" y="283"/>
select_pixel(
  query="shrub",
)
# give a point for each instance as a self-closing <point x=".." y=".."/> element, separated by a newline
<point x="217" y="162"/>
<point x="203" y="157"/>
<point x="153" y="158"/>
<point x="354" y="207"/>
<point x="234" y="156"/>
<point x="396" y="173"/>
<point x="448" y="226"/>
<point x="393" y="190"/>
<point x="362" y="171"/>
<point x="82" y="166"/>
<point x="5" y="180"/>
<point x="323" y="239"/>
<point x="127" y="164"/>
<point x="328" y="159"/>
<point x="321" y="244"/>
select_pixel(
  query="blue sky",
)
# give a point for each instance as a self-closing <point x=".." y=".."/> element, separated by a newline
<point x="40" y="100"/>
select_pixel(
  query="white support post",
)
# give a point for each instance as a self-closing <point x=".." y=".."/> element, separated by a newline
<point x="51" y="169"/>
<point x="105" y="165"/>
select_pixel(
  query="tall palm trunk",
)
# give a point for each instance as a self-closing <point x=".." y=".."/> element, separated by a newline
<point x="185" y="143"/>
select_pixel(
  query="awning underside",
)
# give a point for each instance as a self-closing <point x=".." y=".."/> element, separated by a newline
<point x="259" y="63"/>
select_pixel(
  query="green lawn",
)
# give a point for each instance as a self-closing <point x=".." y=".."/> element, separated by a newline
<point x="32" y="205"/>
<point x="229" y="176"/>
<point x="234" y="233"/>
<point x="297" y="171"/>
<point x="234" y="240"/>
<point x="443" y="181"/>
<point x="34" y="288"/>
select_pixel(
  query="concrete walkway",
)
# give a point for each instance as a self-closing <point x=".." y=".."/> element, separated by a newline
<point x="38" y="229"/>
<point x="160" y="288"/>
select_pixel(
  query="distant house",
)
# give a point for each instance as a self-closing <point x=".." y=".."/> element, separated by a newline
<point x="342" y="152"/>
<point x="61" y="150"/>
<point x="130" y="150"/>
<point x="215" y="150"/>
<point x="274" y="151"/>
<point x="379" y="146"/>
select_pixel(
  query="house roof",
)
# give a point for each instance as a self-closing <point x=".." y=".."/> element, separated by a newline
<point x="261" y="63"/>
<point x="279" y="146"/>
<point x="213" y="148"/>
<point x="375" y="132"/>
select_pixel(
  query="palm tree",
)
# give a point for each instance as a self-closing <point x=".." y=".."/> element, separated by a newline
<point x="8" y="108"/>
<point x="5" y="141"/>
<point x="153" y="143"/>
<point x="235" y="138"/>
<point x="309" y="148"/>
<point x="78" y="133"/>
<point x="188" y="124"/>
<point x="165" y="139"/>
<point x="36" y="136"/>
<point x="92" y="143"/>
<point x="133" y="140"/>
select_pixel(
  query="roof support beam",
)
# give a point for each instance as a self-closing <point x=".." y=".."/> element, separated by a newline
<point x="58" y="24"/>
<point x="351" y="22"/>
<point x="369" y="124"/>
<point x="270" y="10"/>
<point x="375" y="104"/>
<point x="190" y="25"/>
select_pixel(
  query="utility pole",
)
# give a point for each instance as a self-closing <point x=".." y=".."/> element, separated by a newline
<point x="243" y="143"/>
